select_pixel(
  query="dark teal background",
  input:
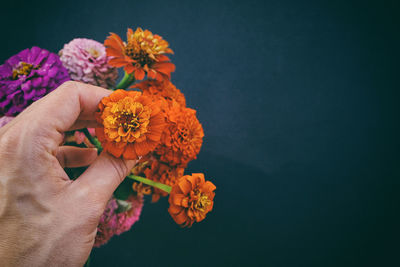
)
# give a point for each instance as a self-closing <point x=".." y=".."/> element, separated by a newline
<point x="300" y="106"/>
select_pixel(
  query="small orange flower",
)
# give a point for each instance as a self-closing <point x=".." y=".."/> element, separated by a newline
<point x="143" y="53"/>
<point x="191" y="198"/>
<point x="182" y="139"/>
<point x="164" y="174"/>
<point x="142" y="164"/>
<point x="132" y="124"/>
<point x="164" y="89"/>
<point x="157" y="171"/>
<point x="141" y="189"/>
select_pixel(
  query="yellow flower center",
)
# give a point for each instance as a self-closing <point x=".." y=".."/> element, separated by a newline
<point x="151" y="43"/>
<point x="126" y="120"/>
<point x="94" y="52"/>
<point x="143" y="46"/>
<point x="23" y="69"/>
<point x="201" y="202"/>
<point x="140" y="56"/>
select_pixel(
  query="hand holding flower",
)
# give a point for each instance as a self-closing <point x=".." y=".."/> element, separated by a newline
<point x="46" y="218"/>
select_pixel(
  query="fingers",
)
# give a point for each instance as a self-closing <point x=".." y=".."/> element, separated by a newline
<point x="80" y="124"/>
<point x="70" y="106"/>
<point x="103" y="176"/>
<point x="70" y="156"/>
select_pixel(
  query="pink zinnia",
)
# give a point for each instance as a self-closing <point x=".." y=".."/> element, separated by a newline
<point x="86" y="61"/>
<point x="80" y="136"/>
<point x="113" y="223"/>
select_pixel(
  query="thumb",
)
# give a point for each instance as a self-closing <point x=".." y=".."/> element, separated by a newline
<point x="104" y="175"/>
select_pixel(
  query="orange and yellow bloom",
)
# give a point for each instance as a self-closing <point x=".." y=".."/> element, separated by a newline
<point x="132" y="124"/>
<point x="154" y="126"/>
<point x="191" y="198"/>
<point x="143" y="53"/>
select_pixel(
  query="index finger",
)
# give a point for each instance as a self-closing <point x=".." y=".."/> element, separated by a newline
<point x="70" y="106"/>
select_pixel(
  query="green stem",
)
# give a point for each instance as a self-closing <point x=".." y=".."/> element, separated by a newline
<point x="93" y="140"/>
<point x="97" y="144"/>
<point x="161" y="186"/>
<point x="127" y="80"/>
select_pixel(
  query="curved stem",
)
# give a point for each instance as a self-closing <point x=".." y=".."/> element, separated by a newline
<point x="97" y="144"/>
<point x="161" y="186"/>
<point x="127" y="80"/>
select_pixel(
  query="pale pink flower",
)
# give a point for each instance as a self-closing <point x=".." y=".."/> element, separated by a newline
<point x="86" y="61"/>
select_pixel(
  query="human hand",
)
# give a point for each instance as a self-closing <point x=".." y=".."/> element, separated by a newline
<point x="46" y="219"/>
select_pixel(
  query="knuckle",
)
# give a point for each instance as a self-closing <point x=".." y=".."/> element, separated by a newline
<point x="69" y="87"/>
<point x="120" y="167"/>
<point x="69" y="84"/>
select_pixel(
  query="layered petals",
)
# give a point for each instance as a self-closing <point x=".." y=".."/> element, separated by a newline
<point x="87" y="61"/>
<point x="27" y="77"/>
<point x="181" y="141"/>
<point x="143" y="53"/>
<point x="164" y="89"/>
<point x="113" y="222"/>
<point x="150" y="167"/>
<point x="191" y="198"/>
<point x="132" y="124"/>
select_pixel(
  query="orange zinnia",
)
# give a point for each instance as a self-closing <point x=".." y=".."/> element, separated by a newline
<point x="191" y="198"/>
<point x="183" y="137"/>
<point x="132" y="124"/>
<point x="164" y="89"/>
<point x="157" y="171"/>
<point x="164" y="174"/>
<point x="143" y="53"/>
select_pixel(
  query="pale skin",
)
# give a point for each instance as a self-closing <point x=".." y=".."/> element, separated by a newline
<point x="46" y="219"/>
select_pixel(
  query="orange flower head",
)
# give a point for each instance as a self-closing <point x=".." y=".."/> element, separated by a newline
<point x="143" y="53"/>
<point x="132" y="124"/>
<point x="182" y="139"/>
<point x="191" y="198"/>
<point x="152" y="44"/>
<point x="151" y="168"/>
<point x="162" y="173"/>
<point x="164" y="89"/>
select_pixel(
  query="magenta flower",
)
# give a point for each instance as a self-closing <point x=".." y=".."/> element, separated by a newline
<point x="86" y="61"/>
<point x="28" y="76"/>
<point x="114" y="223"/>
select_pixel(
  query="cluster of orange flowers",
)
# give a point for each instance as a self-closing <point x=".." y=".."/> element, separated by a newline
<point x="152" y="124"/>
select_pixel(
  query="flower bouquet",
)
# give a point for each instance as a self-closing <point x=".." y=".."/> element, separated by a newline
<point x="145" y="118"/>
